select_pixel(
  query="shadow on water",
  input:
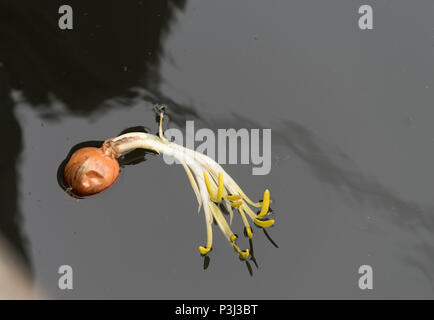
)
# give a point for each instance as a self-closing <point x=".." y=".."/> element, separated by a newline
<point x="206" y="261"/>
<point x="252" y="257"/>
<point x="113" y="47"/>
<point x="267" y="235"/>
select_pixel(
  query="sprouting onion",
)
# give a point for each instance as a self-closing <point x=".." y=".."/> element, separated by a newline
<point x="92" y="170"/>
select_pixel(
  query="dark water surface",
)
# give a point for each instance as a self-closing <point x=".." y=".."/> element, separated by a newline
<point x="353" y="144"/>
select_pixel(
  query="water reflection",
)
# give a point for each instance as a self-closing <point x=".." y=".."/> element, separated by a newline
<point x="10" y="220"/>
<point x="331" y="166"/>
<point x="415" y="259"/>
<point x="115" y="55"/>
<point x="113" y="48"/>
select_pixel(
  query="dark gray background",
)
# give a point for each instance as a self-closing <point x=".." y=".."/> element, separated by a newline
<point x="353" y="150"/>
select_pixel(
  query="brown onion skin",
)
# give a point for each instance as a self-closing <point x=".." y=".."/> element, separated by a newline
<point x="90" y="171"/>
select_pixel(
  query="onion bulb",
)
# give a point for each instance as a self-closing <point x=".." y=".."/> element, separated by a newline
<point x="91" y="170"/>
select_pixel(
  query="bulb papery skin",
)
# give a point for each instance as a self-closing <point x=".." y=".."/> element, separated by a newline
<point x="90" y="171"/>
